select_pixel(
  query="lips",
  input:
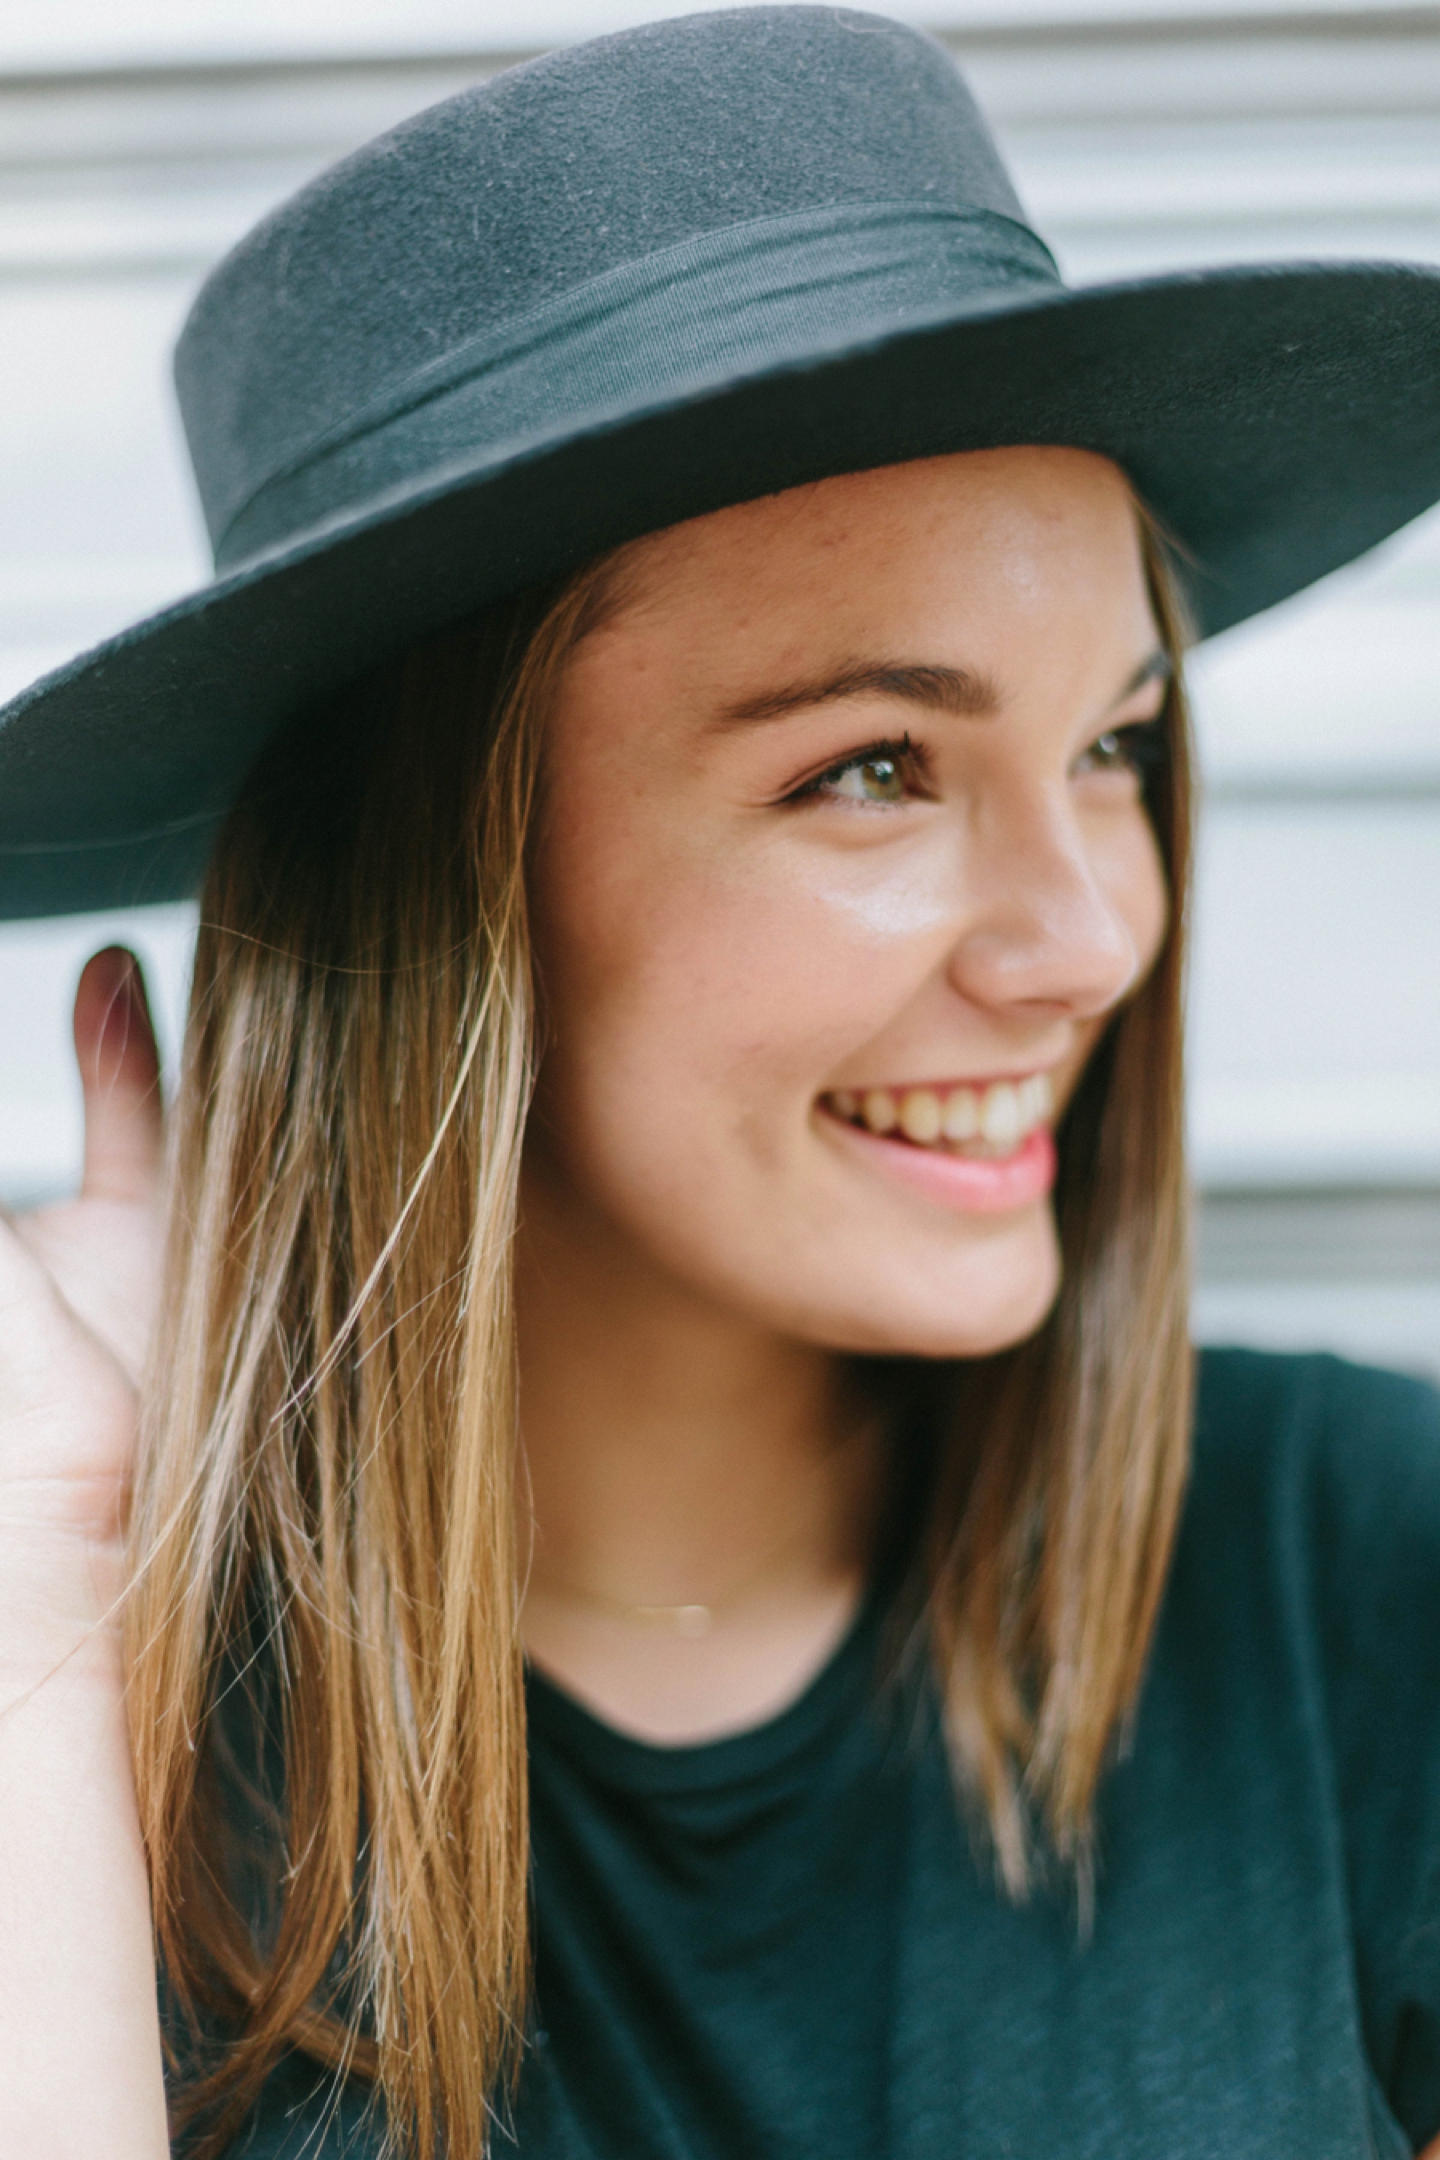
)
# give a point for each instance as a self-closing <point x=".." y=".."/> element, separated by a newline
<point x="988" y="1122"/>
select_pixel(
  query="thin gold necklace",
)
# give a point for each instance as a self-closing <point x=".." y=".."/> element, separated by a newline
<point x="692" y="1620"/>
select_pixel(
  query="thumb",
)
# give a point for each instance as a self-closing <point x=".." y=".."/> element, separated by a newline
<point x="120" y="1074"/>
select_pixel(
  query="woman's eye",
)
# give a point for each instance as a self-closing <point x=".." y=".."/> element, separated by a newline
<point x="875" y="779"/>
<point x="881" y="775"/>
<point x="1108" y="753"/>
<point x="1126" y="750"/>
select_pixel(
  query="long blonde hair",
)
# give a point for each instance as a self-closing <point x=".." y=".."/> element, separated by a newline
<point x="326" y="1672"/>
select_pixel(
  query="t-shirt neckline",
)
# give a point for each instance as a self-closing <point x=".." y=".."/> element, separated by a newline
<point x="650" y="1766"/>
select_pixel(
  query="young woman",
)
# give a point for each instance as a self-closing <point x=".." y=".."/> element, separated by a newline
<point x="637" y="1583"/>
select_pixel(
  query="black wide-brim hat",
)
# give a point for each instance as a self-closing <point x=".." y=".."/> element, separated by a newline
<point x="635" y="281"/>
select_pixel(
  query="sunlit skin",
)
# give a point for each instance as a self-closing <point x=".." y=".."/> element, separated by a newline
<point x="736" y="916"/>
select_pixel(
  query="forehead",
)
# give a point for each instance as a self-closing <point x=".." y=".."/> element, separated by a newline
<point x="979" y="549"/>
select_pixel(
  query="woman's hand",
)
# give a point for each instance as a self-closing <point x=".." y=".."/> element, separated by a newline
<point x="78" y="1285"/>
<point x="80" y="2058"/>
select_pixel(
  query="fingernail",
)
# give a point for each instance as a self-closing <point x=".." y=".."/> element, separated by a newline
<point x="123" y="1006"/>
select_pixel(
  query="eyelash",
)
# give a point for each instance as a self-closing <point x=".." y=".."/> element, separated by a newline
<point x="1144" y="743"/>
<point x="900" y="750"/>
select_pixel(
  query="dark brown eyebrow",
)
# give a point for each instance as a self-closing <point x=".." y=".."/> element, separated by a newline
<point x="942" y="689"/>
<point x="964" y="693"/>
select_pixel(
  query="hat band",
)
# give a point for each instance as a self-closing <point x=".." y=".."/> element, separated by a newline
<point x="747" y="300"/>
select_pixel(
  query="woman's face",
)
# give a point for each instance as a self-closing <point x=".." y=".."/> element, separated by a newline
<point x="841" y="868"/>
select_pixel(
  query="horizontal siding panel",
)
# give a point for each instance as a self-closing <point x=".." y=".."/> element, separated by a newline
<point x="86" y="34"/>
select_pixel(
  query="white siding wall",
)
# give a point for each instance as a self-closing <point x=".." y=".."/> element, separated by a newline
<point x="132" y="151"/>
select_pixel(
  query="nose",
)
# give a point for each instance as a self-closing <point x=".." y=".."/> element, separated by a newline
<point x="1052" y="921"/>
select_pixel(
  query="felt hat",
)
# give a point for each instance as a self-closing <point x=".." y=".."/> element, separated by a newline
<point x="634" y="281"/>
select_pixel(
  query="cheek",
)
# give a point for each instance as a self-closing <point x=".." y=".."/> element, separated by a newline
<point x="738" y="977"/>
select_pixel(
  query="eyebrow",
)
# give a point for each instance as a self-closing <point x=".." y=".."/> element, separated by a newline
<point x="1156" y="667"/>
<point x="964" y="693"/>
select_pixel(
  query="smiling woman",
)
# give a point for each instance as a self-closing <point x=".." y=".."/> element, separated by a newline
<point x="734" y="937"/>
<point x="595" y="795"/>
<point x="677" y="1602"/>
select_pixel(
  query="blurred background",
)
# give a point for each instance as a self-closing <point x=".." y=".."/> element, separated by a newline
<point x="138" y="138"/>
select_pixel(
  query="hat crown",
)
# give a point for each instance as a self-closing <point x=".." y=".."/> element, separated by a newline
<point x="490" y="206"/>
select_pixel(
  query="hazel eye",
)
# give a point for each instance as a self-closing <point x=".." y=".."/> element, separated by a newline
<point x="1140" y="751"/>
<point x="878" y="777"/>
<point x="1108" y="753"/>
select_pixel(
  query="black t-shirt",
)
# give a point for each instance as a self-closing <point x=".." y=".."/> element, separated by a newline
<point x="782" y="1946"/>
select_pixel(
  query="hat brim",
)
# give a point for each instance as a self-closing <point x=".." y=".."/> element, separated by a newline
<point x="1280" y="420"/>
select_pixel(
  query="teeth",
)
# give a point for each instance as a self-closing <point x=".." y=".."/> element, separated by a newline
<point x="878" y="1110"/>
<point x="998" y="1117"/>
<point x="962" y="1114"/>
<point x="920" y="1115"/>
<point x="1037" y="1098"/>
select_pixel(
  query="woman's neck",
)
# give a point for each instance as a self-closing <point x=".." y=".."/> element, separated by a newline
<point x="698" y="1498"/>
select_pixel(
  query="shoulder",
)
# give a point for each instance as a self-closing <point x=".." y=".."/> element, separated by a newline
<point x="1343" y="1457"/>
<point x="1299" y="1659"/>
<point x="1311" y="1552"/>
<point x="1259" y="1401"/>
<point x="1312" y="1525"/>
<point x="1308" y="1560"/>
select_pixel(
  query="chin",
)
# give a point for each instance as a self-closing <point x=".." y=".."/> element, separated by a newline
<point x="978" y="1304"/>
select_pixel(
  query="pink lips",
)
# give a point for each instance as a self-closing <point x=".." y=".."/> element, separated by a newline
<point x="970" y="1184"/>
